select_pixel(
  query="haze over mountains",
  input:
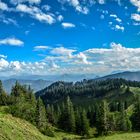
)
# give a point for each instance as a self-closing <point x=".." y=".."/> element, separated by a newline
<point x="38" y="82"/>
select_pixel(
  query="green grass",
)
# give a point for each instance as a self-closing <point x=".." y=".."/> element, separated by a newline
<point x="12" y="128"/>
<point x="123" y="136"/>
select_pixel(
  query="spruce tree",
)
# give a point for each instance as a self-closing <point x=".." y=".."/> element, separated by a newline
<point x="3" y="95"/>
<point x="125" y="124"/>
<point x="84" y="123"/>
<point x="67" y="117"/>
<point x="41" y="120"/>
<point x="135" y="118"/>
<point x="102" y="124"/>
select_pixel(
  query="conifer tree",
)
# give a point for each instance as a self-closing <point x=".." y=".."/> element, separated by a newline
<point x="3" y="95"/>
<point x="84" y="123"/>
<point x="135" y="118"/>
<point x="102" y="119"/>
<point x="41" y="120"/>
<point x="125" y="124"/>
<point x="67" y="117"/>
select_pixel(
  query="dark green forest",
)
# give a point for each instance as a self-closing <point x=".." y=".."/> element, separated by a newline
<point x="105" y="107"/>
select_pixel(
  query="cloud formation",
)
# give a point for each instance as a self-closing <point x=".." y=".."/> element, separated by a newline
<point x="135" y="17"/>
<point x="11" y="41"/>
<point x="23" y="1"/>
<point x="66" y="25"/>
<point x="63" y="60"/>
<point x="41" y="48"/>
<point x="36" y="13"/>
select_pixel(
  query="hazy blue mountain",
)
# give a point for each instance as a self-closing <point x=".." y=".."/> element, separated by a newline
<point x="133" y="76"/>
<point x="38" y="82"/>
<point x="35" y="84"/>
<point x="63" y="77"/>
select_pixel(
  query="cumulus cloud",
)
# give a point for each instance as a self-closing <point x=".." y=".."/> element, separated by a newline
<point x="118" y="27"/>
<point x="63" y="60"/>
<point x="66" y="25"/>
<point x="3" y="6"/>
<point x="77" y="5"/>
<point x="36" y="13"/>
<point x="62" y="51"/>
<point x="82" y="58"/>
<point x="136" y="3"/>
<point x="23" y="1"/>
<point x="11" y="41"/>
<point x="135" y="17"/>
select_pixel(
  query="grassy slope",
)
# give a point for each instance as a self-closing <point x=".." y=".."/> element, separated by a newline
<point x="123" y="136"/>
<point x="12" y="128"/>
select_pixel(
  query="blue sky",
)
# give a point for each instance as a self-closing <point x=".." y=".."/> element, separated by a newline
<point x="69" y="36"/>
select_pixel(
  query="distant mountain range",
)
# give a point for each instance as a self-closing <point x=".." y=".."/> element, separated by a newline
<point x="35" y="84"/>
<point x="38" y="82"/>
<point x="133" y="76"/>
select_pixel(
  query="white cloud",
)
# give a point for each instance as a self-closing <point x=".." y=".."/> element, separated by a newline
<point x="3" y="6"/>
<point x="101" y="1"/>
<point x="136" y="3"/>
<point x="41" y="48"/>
<point x="11" y="41"/>
<point x="118" y="27"/>
<point x="62" y="51"/>
<point x="67" y="25"/>
<point x="36" y="13"/>
<point x="77" y="5"/>
<point x="64" y="60"/>
<point x="3" y="56"/>
<point x="23" y="1"/>
<point x="135" y="17"/>
<point x="113" y="15"/>
<point x="82" y="58"/>
<point x="60" y="18"/>
<point x="118" y="19"/>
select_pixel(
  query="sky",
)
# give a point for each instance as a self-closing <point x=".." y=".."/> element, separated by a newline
<point x="54" y="37"/>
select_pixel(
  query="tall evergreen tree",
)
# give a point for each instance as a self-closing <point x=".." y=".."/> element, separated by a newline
<point x="102" y="119"/>
<point x="135" y="118"/>
<point x="84" y="123"/>
<point x="41" y="120"/>
<point x="125" y="124"/>
<point x="67" y="117"/>
<point x="3" y="95"/>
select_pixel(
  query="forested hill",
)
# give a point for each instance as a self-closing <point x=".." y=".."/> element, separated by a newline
<point x="115" y="89"/>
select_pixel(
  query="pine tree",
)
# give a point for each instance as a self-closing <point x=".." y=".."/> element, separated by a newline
<point x="102" y="119"/>
<point x="125" y="124"/>
<point x="135" y="118"/>
<point x="3" y="95"/>
<point x="84" y="123"/>
<point x="67" y="117"/>
<point x="78" y="121"/>
<point x="50" y="114"/>
<point x="41" y="120"/>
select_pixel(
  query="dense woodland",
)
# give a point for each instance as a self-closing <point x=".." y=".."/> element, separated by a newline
<point x="53" y="107"/>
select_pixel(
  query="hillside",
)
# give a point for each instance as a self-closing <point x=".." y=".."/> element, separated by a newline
<point x="89" y="91"/>
<point x="12" y="128"/>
